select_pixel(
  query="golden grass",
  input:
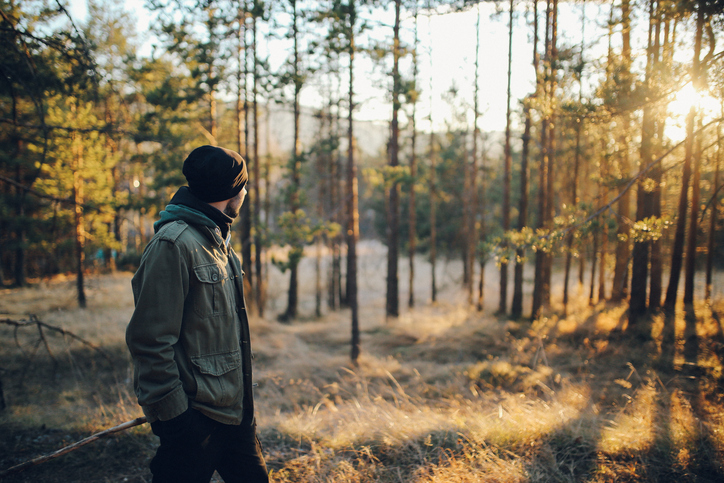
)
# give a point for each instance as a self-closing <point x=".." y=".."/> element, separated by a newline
<point x="441" y="394"/>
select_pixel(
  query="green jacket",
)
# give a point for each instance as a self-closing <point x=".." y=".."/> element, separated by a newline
<point x="189" y="335"/>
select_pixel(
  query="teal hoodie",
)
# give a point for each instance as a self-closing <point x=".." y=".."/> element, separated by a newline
<point x="183" y="213"/>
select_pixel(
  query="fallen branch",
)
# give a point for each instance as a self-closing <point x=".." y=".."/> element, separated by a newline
<point x="40" y="325"/>
<point x="73" y="447"/>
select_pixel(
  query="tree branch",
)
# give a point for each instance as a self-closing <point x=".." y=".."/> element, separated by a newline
<point x="73" y="447"/>
<point x="34" y="321"/>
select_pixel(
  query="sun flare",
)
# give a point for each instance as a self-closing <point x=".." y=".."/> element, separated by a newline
<point x="685" y="99"/>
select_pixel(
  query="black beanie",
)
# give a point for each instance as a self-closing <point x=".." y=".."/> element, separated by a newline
<point x="215" y="174"/>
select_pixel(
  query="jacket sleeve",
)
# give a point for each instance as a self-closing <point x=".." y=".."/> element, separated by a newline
<point x="160" y="287"/>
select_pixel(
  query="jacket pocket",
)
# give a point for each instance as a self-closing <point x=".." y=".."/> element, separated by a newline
<point x="218" y="378"/>
<point x="212" y="297"/>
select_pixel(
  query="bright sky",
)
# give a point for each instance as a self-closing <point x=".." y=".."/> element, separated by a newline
<point x="453" y="38"/>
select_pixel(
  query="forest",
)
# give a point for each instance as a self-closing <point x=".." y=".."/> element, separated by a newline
<point x="513" y="275"/>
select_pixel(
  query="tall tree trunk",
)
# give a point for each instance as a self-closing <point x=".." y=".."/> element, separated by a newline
<point x="467" y="230"/>
<point x="713" y="220"/>
<point x="696" y="170"/>
<point x="351" y="196"/>
<point x="502" y="307"/>
<point x="550" y="193"/>
<point x="657" y="269"/>
<point x="483" y="260"/>
<point x="677" y="251"/>
<point x="623" y="245"/>
<point x="242" y="139"/>
<point x="473" y="196"/>
<point x="603" y="228"/>
<point x="393" y="302"/>
<point x="574" y="202"/>
<point x="693" y="224"/>
<point x="602" y="262"/>
<point x="594" y="257"/>
<point x="256" y="197"/>
<point x="335" y="177"/>
<point x="412" y="240"/>
<point x="641" y="249"/>
<point x="294" y="205"/>
<point x="516" y="308"/>
<point x="517" y="304"/>
<point x="576" y="165"/>
<point x="540" y="256"/>
<point x="77" y="154"/>
<point x="433" y="198"/>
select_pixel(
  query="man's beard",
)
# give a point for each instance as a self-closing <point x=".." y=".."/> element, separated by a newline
<point x="231" y="212"/>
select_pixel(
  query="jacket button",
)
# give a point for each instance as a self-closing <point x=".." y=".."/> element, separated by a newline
<point x="214" y="277"/>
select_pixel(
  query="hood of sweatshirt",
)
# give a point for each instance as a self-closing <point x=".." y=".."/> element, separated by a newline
<point x="186" y="207"/>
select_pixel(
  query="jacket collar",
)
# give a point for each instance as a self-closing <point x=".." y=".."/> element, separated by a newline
<point x="186" y="207"/>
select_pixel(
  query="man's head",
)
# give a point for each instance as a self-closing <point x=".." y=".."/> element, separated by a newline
<point x="215" y="174"/>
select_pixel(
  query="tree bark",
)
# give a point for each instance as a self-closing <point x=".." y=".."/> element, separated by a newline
<point x="713" y="220"/>
<point x="623" y="245"/>
<point x="242" y="109"/>
<point x="540" y="255"/>
<point x="516" y="308"/>
<point x="77" y="148"/>
<point x="412" y="240"/>
<point x="352" y="210"/>
<point x="294" y="204"/>
<point x="644" y="203"/>
<point x="502" y="307"/>
<point x="256" y="197"/>
<point x="393" y="302"/>
<point x="693" y="224"/>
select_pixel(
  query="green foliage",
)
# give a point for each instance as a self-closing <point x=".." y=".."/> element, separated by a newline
<point x="650" y="229"/>
<point x="297" y="230"/>
<point x="387" y="176"/>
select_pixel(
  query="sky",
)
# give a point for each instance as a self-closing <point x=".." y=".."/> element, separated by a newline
<point x="450" y="61"/>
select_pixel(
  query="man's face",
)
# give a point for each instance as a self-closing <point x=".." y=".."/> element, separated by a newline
<point x="234" y="204"/>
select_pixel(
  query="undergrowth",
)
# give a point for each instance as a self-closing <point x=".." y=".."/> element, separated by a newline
<point x="444" y="393"/>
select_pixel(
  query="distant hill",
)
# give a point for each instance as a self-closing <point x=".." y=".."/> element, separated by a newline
<point x="371" y="136"/>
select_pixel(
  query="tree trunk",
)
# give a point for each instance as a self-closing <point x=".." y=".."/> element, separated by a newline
<point x="594" y="253"/>
<point x="335" y="178"/>
<point x="473" y="196"/>
<point x="242" y="140"/>
<point x="677" y="251"/>
<point x="540" y="256"/>
<point x="516" y="308"/>
<point x="517" y="304"/>
<point x="693" y="224"/>
<point x="393" y="302"/>
<point x="602" y="262"/>
<point x="644" y="203"/>
<point x="713" y="220"/>
<point x="502" y="307"/>
<point x="294" y="205"/>
<point x="78" y="215"/>
<point x="550" y="193"/>
<point x="412" y="240"/>
<point x="657" y="259"/>
<point x="351" y="196"/>
<point x="256" y="196"/>
<point x="433" y="200"/>
<point x="623" y="245"/>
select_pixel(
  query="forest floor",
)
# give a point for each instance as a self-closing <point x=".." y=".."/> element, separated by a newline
<point x="443" y="393"/>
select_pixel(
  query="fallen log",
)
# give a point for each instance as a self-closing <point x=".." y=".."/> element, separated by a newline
<point x="73" y="447"/>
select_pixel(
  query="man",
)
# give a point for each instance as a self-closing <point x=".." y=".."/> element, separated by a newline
<point x="189" y="333"/>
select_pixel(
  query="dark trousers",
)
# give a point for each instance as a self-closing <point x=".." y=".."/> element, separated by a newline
<point x="192" y="454"/>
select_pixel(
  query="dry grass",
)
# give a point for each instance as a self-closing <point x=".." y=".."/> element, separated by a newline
<point x="441" y="394"/>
